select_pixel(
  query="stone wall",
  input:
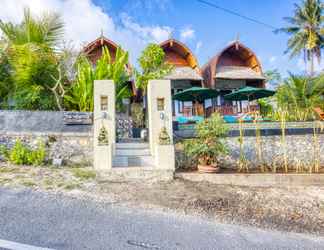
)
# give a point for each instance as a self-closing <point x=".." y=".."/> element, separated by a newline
<point x="74" y="143"/>
<point x="71" y="148"/>
<point x="300" y="149"/>
<point x="71" y="143"/>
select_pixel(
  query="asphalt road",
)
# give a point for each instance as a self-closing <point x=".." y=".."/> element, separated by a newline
<point x="56" y="222"/>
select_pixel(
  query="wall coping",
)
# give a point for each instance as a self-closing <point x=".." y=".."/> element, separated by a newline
<point x="257" y="179"/>
<point x="46" y="133"/>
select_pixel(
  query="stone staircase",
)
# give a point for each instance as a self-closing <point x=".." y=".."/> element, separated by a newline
<point x="133" y="154"/>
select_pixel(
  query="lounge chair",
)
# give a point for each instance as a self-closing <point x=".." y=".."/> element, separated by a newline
<point x="320" y="113"/>
<point x="235" y="119"/>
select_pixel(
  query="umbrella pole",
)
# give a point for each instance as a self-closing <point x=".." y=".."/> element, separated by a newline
<point x="249" y="103"/>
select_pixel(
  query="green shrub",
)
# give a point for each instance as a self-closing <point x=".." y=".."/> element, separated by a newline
<point x="22" y="155"/>
<point x="37" y="157"/>
<point x="18" y="154"/>
<point x="209" y="143"/>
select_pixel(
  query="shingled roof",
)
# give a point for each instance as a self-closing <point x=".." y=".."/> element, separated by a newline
<point x="184" y="73"/>
<point x="237" y="72"/>
<point x="236" y="61"/>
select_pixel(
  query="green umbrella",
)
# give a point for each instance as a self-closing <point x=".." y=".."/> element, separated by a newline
<point x="249" y="94"/>
<point x="196" y="94"/>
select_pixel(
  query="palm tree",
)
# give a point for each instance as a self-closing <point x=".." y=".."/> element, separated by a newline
<point x="306" y="31"/>
<point x="46" y="30"/>
<point x="30" y="47"/>
<point x="299" y="95"/>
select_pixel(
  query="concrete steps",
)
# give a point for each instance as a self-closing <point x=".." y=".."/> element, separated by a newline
<point x="133" y="155"/>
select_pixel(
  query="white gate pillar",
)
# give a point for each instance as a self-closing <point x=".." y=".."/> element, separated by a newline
<point x="104" y="124"/>
<point x="159" y="105"/>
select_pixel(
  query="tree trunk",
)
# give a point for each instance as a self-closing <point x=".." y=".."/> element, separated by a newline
<point x="311" y="71"/>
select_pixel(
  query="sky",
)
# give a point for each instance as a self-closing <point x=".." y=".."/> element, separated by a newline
<point x="205" y="30"/>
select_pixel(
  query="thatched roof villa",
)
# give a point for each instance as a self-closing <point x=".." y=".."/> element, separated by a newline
<point x="234" y="67"/>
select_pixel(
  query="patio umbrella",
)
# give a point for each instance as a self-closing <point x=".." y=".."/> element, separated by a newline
<point x="196" y="94"/>
<point x="249" y="94"/>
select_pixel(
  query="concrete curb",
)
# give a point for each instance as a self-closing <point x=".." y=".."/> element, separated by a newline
<point x="256" y="180"/>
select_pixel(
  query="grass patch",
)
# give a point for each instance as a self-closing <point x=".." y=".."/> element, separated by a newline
<point x="28" y="183"/>
<point x="83" y="174"/>
<point x="9" y="170"/>
<point x="48" y="182"/>
<point x="4" y="181"/>
<point x="71" y="186"/>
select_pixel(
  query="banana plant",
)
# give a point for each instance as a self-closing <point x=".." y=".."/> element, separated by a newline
<point x="80" y="95"/>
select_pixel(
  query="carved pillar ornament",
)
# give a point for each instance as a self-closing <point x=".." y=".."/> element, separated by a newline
<point x="164" y="138"/>
<point x="103" y="136"/>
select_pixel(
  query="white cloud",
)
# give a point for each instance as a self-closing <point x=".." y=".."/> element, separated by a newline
<point x="148" y="33"/>
<point x="84" y="21"/>
<point x="187" y="34"/>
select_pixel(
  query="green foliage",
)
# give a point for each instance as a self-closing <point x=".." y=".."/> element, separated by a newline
<point x="30" y="53"/>
<point x="46" y="30"/>
<point x="306" y="31"/>
<point x="19" y="154"/>
<point x="299" y="95"/>
<point x="152" y="58"/>
<point x="209" y="143"/>
<point x="80" y="95"/>
<point x="33" y="67"/>
<point x="5" y="77"/>
<point x="153" y="66"/>
<point x="265" y="107"/>
<point x="137" y="114"/>
<point x="22" y="155"/>
<point x="37" y="157"/>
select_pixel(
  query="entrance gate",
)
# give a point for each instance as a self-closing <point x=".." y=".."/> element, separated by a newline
<point x="124" y="127"/>
<point x="157" y="155"/>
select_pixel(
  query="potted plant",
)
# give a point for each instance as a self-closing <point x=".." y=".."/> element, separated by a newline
<point x="137" y="114"/>
<point x="208" y="144"/>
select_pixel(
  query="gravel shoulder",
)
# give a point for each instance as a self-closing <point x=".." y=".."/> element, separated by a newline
<point x="298" y="209"/>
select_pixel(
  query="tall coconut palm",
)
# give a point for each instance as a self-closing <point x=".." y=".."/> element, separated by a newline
<point x="306" y="31"/>
<point x="46" y="30"/>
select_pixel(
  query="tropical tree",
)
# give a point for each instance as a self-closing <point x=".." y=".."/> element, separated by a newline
<point x="5" y="76"/>
<point x="80" y="95"/>
<point x="31" y="50"/>
<point x="273" y="78"/>
<point x="299" y="95"/>
<point x="306" y="31"/>
<point x="153" y="66"/>
<point x="33" y="68"/>
<point x="45" y="31"/>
